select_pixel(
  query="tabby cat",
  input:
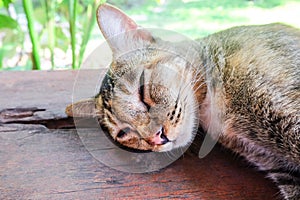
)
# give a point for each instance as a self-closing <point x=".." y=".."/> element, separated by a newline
<point x="242" y="86"/>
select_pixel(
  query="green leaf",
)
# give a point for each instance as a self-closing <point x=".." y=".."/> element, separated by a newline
<point x="13" y="37"/>
<point x="87" y="2"/>
<point x="5" y="3"/>
<point x="8" y="22"/>
<point x="42" y="15"/>
<point x="62" y="40"/>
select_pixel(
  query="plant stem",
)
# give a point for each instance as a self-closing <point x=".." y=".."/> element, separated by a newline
<point x="72" y="24"/>
<point x="50" y="9"/>
<point x="32" y="32"/>
<point x="87" y="28"/>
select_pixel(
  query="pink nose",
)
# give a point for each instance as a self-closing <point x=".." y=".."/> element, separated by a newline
<point x="159" y="138"/>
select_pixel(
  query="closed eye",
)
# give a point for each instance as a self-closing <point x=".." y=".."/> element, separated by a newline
<point x="142" y="90"/>
<point x="123" y="132"/>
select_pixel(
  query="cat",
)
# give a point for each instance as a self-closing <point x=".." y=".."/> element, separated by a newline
<point x="242" y="86"/>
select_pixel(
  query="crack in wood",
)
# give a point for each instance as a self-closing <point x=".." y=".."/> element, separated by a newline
<point x="26" y="116"/>
<point x="19" y="112"/>
<point x="63" y="123"/>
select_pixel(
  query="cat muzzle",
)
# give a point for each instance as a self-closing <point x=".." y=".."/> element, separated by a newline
<point x="160" y="138"/>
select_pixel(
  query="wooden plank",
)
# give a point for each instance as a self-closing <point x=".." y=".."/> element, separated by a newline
<point x="41" y="163"/>
<point x="48" y="90"/>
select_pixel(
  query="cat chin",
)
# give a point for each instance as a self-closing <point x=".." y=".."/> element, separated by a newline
<point x="163" y="148"/>
<point x="174" y="145"/>
<point x="169" y="147"/>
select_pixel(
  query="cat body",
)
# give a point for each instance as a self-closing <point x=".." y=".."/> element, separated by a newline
<point x="254" y="88"/>
<point x="242" y="85"/>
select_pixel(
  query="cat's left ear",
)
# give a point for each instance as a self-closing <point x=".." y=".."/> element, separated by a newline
<point x="120" y="31"/>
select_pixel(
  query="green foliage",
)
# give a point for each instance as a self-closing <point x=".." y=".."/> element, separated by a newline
<point x="61" y="39"/>
<point x="198" y="18"/>
<point x="28" y="8"/>
<point x="64" y="26"/>
<point x="5" y="3"/>
<point x="12" y="37"/>
<point x="54" y="27"/>
<point x="8" y="22"/>
<point x="50" y="21"/>
<point x="72" y="27"/>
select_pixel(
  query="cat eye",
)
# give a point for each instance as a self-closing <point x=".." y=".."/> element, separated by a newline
<point x="123" y="132"/>
<point x="142" y="90"/>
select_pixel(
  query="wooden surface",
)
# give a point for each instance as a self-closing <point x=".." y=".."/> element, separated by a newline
<point x="42" y="156"/>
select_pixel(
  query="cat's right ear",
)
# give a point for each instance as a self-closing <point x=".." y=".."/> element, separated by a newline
<point x="120" y="31"/>
<point x="86" y="108"/>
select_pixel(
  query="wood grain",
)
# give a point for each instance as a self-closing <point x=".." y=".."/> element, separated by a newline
<point x="39" y="162"/>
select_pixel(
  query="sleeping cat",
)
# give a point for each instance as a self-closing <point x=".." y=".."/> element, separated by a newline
<point x="242" y="85"/>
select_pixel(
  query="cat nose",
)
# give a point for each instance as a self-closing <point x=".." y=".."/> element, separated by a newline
<point x="160" y="138"/>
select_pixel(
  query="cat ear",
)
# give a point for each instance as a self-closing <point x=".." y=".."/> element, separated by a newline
<point x="120" y="31"/>
<point x="84" y="108"/>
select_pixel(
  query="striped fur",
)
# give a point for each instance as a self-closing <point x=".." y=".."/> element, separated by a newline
<point x="241" y="84"/>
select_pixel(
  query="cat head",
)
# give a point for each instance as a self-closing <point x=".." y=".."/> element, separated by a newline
<point x="146" y="100"/>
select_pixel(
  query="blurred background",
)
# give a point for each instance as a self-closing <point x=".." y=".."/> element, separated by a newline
<point x="60" y="34"/>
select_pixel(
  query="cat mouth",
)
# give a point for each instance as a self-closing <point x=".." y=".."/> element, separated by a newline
<point x="132" y="149"/>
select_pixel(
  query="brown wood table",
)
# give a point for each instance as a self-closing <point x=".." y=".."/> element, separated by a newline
<point x="43" y="157"/>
